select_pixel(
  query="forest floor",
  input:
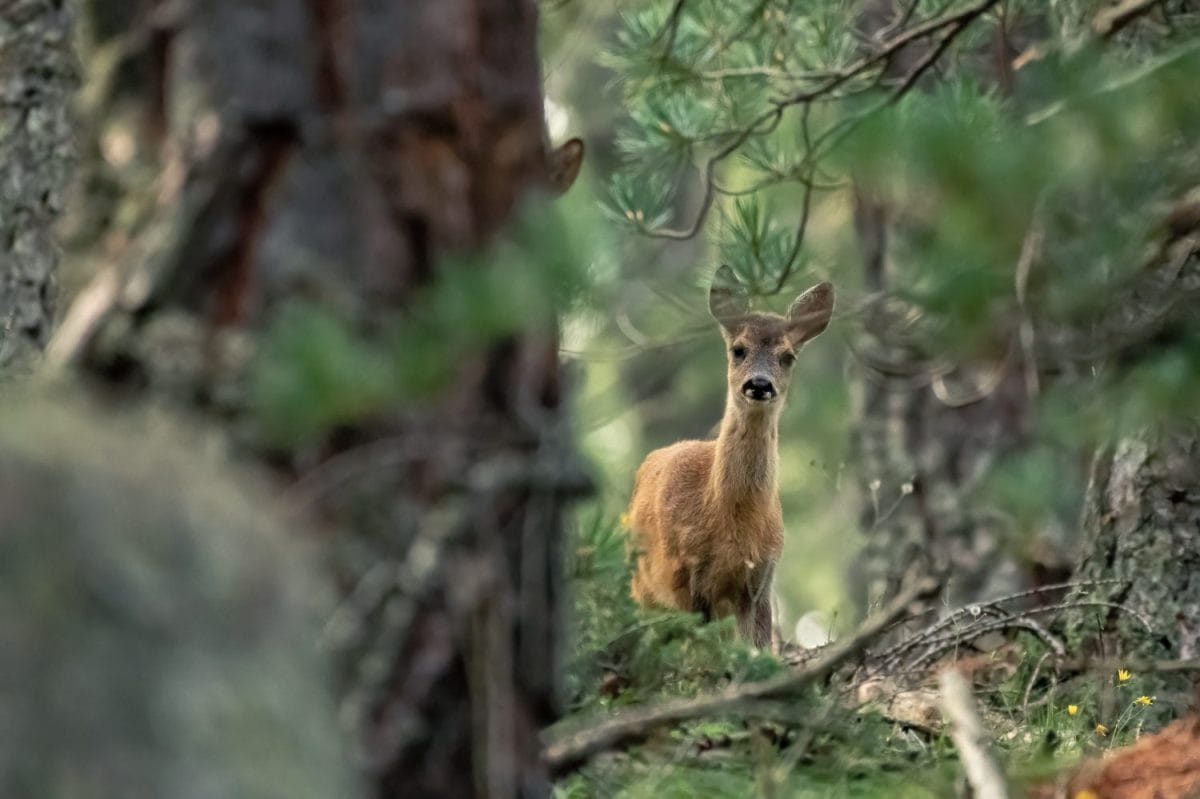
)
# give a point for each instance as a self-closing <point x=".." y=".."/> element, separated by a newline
<point x="662" y="706"/>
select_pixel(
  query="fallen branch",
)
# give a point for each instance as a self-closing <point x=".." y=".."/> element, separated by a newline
<point x="967" y="732"/>
<point x="566" y="750"/>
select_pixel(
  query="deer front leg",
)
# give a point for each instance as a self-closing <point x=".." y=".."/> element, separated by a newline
<point x="762" y="617"/>
<point x="698" y="598"/>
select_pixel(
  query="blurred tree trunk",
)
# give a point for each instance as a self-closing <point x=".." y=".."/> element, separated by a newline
<point x="925" y="436"/>
<point x="37" y="77"/>
<point x="334" y="152"/>
<point x="1141" y="520"/>
<point x="926" y="431"/>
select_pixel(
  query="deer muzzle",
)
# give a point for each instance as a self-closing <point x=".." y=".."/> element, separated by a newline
<point x="759" y="389"/>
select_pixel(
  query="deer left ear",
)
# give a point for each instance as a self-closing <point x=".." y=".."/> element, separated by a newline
<point x="810" y="313"/>
<point x="727" y="300"/>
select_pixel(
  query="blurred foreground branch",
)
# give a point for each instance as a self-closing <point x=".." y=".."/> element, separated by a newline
<point x="1113" y="19"/>
<point x="969" y="737"/>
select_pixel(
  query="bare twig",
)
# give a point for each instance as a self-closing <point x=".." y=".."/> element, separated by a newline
<point x="969" y="737"/>
<point x="997" y="621"/>
<point x="1037" y="670"/>
<point x="1031" y="248"/>
<point x="790" y="263"/>
<point x="927" y="61"/>
<point x="1133" y="664"/>
<point x="930" y="27"/>
<point x="563" y="751"/>
<point x="977" y="610"/>
<point x="671" y="28"/>
<point x="1110" y="20"/>
<point x="767" y="122"/>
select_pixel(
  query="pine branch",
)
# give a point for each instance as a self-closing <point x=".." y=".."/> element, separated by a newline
<point x="768" y="120"/>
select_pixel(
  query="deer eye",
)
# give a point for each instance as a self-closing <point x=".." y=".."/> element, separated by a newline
<point x="738" y="352"/>
<point x="787" y="359"/>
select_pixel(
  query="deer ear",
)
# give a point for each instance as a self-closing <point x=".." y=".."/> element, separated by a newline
<point x="809" y="315"/>
<point x="563" y="164"/>
<point x="727" y="301"/>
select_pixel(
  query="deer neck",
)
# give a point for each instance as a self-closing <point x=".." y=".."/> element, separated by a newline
<point x="747" y="452"/>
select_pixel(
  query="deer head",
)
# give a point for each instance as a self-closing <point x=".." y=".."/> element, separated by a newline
<point x="762" y="347"/>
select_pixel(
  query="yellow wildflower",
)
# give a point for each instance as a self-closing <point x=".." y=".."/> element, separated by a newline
<point x="1123" y="675"/>
<point x="624" y="519"/>
<point x="1101" y="729"/>
<point x="1087" y="794"/>
<point x="1072" y="710"/>
<point x="1144" y="700"/>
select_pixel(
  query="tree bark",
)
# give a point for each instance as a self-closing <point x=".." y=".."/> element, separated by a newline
<point x="925" y="432"/>
<point x="335" y="152"/>
<point x="37" y="77"/>
<point x="1141" y="520"/>
<point x="925" y="438"/>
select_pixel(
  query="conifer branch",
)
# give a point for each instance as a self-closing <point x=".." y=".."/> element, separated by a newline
<point x="768" y="120"/>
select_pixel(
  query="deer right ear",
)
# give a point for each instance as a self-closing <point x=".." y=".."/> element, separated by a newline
<point x="727" y="300"/>
<point x="810" y="313"/>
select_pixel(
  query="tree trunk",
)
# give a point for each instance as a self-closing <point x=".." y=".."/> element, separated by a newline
<point x="925" y="438"/>
<point x="1142" y="524"/>
<point x="925" y="434"/>
<point x="37" y="76"/>
<point x="335" y="152"/>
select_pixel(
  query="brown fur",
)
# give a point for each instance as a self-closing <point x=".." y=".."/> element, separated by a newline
<point x="705" y="515"/>
<point x="1165" y="765"/>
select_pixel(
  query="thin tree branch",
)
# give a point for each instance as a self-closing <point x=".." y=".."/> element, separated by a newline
<point x="671" y="28"/>
<point x="1111" y="20"/>
<point x="771" y="119"/>
<point x="801" y="228"/>
<point x="566" y="750"/>
<point x="927" y="61"/>
<point x="1132" y="664"/>
<point x="891" y="47"/>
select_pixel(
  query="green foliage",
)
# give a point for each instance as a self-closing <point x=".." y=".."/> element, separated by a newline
<point x="317" y="371"/>
<point x="158" y="620"/>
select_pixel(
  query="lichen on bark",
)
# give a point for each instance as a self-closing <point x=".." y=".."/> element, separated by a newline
<point x="1142" y="522"/>
<point x="37" y="76"/>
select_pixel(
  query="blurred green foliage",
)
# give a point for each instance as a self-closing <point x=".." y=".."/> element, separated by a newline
<point x="317" y="371"/>
<point x="158" y="618"/>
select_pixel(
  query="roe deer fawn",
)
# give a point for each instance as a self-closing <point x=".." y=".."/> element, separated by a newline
<point x="705" y="515"/>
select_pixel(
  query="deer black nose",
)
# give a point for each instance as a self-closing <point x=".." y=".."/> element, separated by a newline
<point x="759" y="388"/>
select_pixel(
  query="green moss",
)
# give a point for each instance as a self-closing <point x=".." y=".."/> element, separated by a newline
<point x="158" y="621"/>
